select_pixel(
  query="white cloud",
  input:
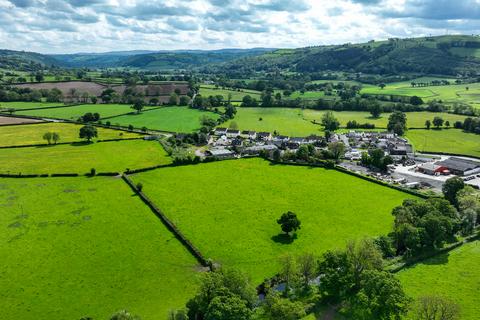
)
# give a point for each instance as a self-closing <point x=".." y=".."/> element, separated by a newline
<point x="58" y="26"/>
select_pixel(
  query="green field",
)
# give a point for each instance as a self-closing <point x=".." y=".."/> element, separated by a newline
<point x="455" y="275"/>
<point x="229" y="209"/>
<point x="209" y="90"/>
<point x="28" y="105"/>
<point x="297" y="122"/>
<point x="73" y="113"/>
<point x="173" y="119"/>
<point x="103" y="156"/>
<point x="450" y="141"/>
<point x="77" y="247"/>
<point x="450" y="94"/>
<point x="33" y="133"/>
<point x="285" y="121"/>
<point x="308" y="95"/>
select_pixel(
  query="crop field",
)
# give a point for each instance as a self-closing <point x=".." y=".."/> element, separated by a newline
<point x="454" y="275"/>
<point x="18" y="105"/>
<point x="228" y="209"/>
<point x="210" y="90"/>
<point x="73" y="113"/>
<point x="297" y="122"/>
<point x="80" y="158"/>
<point x="173" y="119"/>
<point x="86" y="247"/>
<point x="32" y="134"/>
<point x="449" y="141"/>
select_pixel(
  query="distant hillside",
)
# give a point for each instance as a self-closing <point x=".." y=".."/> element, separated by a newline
<point x="26" y="61"/>
<point x="159" y="60"/>
<point x="449" y="55"/>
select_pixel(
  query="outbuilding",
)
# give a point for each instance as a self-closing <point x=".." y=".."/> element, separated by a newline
<point x="460" y="166"/>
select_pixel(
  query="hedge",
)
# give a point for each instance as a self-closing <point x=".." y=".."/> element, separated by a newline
<point x="170" y="225"/>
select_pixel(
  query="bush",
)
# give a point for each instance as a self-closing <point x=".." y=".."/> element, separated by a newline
<point x="93" y="172"/>
<point x="139" y="186"/>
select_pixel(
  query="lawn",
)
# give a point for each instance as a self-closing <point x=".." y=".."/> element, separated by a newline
<point x="450" y="141"/>
<point x="455" y="275"/>
<point x="229" y="209"/>
<point x="297" y="122"/>
<point x="80" y="158"/>
<point x="73" y="113"/>
<point x="28" y="105"/>
<point x="78" y="247"/>
<point x="210" y="90"/>
<point x="32" y="134"/>
<point x="173" y="119"/>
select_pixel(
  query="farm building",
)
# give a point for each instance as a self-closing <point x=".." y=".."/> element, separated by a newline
<point x="220" y="153"/>
<point x="433" y="169"/>
<point x="460" y="166"/>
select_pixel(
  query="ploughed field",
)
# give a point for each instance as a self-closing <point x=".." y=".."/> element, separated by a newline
<point x="229" y="209"/>
<point x="79" y="157"/>
<point x="87" y="247"/>
<point x="33" y="134"/>
<point x="454" y="275"/>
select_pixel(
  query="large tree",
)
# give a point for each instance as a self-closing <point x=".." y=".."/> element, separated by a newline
<point x="88" y="132"/>
<point x="436" y="308"/>
<point x="289" y="222"/>
<point x="337" y="149"/>
<point x="330" y="122"/>
<point x="451" y="187"/>
<point x="397" y="122"/>
<point x="437" y="122"/>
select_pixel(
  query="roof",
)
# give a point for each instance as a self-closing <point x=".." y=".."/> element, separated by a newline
<point x="220" y="152"/>
<point x="233" y="131"/>
<point x="459" y="164"/>
<point x="221" y="129"/>
<point x="248" y="132"/>
<point x="429" y="166"/>
<point x="266" y="134"/>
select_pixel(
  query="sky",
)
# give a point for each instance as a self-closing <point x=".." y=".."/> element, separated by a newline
<point x="69" y="26"/>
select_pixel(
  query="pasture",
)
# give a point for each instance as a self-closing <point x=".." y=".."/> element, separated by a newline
<point x="173" y="119"/>
<point x="454" y="275"/>
<point x="297" y="122"/>
<point x="210" y="90"/>
<point x="229" y="209"/>
<point x="87" y="247"/>
<point x="33" y="134"/>
<point x="80" y="158"/>
<point x="449" y="141"/>
<point x="74" y="112"/>
<point x="19" y="105"/>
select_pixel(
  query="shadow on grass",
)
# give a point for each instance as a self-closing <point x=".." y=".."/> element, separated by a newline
<point x="81" y="143"/>
<point x="437" y="260"/>
<point x="284" y="238"/>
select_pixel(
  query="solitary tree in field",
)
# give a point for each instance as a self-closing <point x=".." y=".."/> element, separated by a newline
<point x="47" y="136"/>
<point x="330" y="122"/>
<point x="55" y="137"/>
<point x="375" y="109"/>
<point x="289" y="222"/>
<point x="138" y="106"/>
<point x="88" y="132"/>
<point x="428" y="124"/>
<point x="382" y="85"/>
<point x="447" y="124"/>
<point x="437" y="122"/>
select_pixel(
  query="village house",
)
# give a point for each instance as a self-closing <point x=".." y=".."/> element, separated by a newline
<point x="247" y="134"/>
<point x="220" y="131"/>
<point x="265" y="136"/>
<point x="232" y="133"/>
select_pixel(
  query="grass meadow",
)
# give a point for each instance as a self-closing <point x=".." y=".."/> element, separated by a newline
<point x="74" y="112"/>
<point x="80" y="158"/>
<point x="229" y="209"/>
<point x="454" y="275"/>
<point x="297" y="122"/>
<point x="445" y="140"/>
<point x="33" y="133"/>
<point x="173" y="119"/>
<point x="210" y="90"/>
<point x="87" y="247"/>
<point x="19" y="105"/>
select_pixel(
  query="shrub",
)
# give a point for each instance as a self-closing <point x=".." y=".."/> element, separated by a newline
<point x="139" y="186"/>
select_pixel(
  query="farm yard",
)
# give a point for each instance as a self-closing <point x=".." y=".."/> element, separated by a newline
<point x="91" y="245"/>
<point x="33" y="134"/>
<point x="453" y="275"/>
<point x="80" y="157"/>
<point x="172" y="119"/>
<point x="233" y="220"/>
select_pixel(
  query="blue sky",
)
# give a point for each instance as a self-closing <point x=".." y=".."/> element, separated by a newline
<point x="67" y="26"/>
